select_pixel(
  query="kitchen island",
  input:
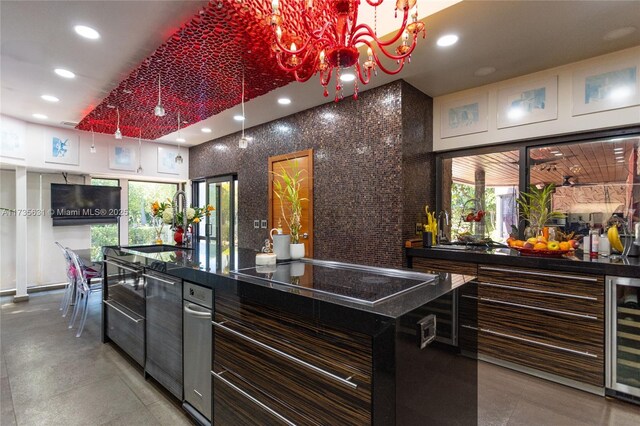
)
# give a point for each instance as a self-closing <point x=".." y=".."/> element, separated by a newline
<point x="308" y="342"/>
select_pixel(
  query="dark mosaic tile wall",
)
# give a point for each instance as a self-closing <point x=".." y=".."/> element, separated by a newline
<point x="418" y="160"/>
<point x="359" y="183"/>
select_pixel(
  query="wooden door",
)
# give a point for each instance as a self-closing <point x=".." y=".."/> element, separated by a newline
<point x="303" y="161"/>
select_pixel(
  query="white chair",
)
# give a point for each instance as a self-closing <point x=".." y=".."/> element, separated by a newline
<point x="83" y="291"/>
<point x="71" y="280"/>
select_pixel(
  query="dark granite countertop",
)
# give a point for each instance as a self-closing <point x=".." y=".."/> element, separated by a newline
<point x="198" y="266"/>
<point x="617" y="266"/>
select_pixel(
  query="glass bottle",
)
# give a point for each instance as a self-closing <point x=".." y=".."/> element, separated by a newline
<point x="594" y="241"/>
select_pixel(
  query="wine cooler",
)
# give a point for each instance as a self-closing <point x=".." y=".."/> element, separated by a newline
<point x="623" y="338"/>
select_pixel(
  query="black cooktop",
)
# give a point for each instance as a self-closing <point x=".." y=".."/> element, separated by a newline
<point x="365" y="285"/>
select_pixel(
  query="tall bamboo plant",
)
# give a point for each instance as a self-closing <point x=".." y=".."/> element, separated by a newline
<point x="535" y="207"/>
<point x="287" y="189"/>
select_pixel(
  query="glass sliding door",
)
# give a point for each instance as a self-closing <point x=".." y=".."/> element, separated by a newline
<point x="219" y="234"/>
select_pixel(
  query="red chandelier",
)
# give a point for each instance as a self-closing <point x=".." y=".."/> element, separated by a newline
<point x="334" y="45"/>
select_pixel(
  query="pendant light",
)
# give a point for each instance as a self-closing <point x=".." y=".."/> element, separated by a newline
<point x="93" y="142"/>
<point x="159" y="110"/>
<point x="179" y="159"/>
<point x="139" y="171"/>
<point x="118" y="133"/>
<point x="243" y="142"/>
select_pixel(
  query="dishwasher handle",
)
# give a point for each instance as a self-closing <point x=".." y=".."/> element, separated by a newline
<point x="189" y="310"/>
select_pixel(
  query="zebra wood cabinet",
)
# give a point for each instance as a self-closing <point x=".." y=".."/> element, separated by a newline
<point x="545" y="320"/>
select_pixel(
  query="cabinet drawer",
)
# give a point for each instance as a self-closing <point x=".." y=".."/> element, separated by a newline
<point x="569" y="284"/>
<point x="592" y="306"/>
<point x="328" y="394"/>
<point x="126" y="329"/>
<point x="533" y="354"/>
<point x="437" y="265"/>
<point x="324" y="346"/>
<point x="578" y="334"/>
<point x="236" y="402"/>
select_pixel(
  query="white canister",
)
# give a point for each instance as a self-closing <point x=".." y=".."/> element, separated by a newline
<point x="604" y="247"/>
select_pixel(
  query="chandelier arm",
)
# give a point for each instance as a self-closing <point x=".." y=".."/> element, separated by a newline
<point x="367" y="31"/>
<point x="317" y="33"/>
<point x="374" y="3"/>
<point x="286" y="68"/>
<point x="382" y="67"/>
<point x="306" y="78"/>
<point x="326" y="81"/>
<point x="388" y="54"/>
<point x="360" y="74"/>
<point x="304" y="46"/>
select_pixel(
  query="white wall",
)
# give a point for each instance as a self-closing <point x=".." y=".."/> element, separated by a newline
<point x="564" y="124"/>
<point x="46" y="265"/>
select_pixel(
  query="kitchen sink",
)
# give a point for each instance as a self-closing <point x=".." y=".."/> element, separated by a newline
<point x="158" y="248"/>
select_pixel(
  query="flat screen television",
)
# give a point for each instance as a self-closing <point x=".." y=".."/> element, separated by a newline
<point x="84" y="204"/>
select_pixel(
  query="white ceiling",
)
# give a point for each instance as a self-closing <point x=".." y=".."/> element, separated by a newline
<point x="515" y="37"/>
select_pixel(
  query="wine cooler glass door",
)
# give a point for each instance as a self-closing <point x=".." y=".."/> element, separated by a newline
<point x="624" y="335"/>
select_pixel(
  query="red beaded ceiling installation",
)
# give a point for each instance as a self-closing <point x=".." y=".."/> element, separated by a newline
<point x="201" y="69"/>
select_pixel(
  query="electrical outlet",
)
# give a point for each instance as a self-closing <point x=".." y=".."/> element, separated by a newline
<point x="263" y="224"/>
<point x="256" y="224"/>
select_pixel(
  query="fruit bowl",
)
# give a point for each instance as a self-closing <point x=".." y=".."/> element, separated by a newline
<point x="542" y="253"/>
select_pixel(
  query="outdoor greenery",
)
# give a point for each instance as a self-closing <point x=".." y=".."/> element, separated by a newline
<point x="460" y="194"/>
<point x="141" y="196"/>
<point x="103" y="235"/>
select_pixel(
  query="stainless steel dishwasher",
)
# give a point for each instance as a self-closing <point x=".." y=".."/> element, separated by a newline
<point x="197" y="351"/>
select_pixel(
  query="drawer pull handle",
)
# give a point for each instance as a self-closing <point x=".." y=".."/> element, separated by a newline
<point x="555" y="311"/>
<point x="553" y="293"/>
<point x="535" y="342"/>
<point x="539" y="274"/>
<point x="319" y="370"/>
<point x="112" y="305"/>
<point x="122" y="267"/>
<point x="252" y="399"/>
<point x="152" y="277"/>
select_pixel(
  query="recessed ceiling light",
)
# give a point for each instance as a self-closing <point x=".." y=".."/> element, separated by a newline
<point x="111" y="106"/>
<point x="49" y="98"/>
<point x="620" y="161"/>
<point x="284" y="101"/>
<point x="447" y="40"/>
<point x="619" y="33"/>
<point x="481" y="72"/>
<point x="620" y="158"/>
<point x="558" y="154"/>
<point x="205" y="130"/>
<point x="554" y="152"/>
<point x="86" y="32"/>
<point x="39" y="116"/>
<point x="238" y="117"/>
<point x="618" y="149"/>
<point x="181" y="139"/>
<point x="347" y="77"/>
<point x="64" y="73"/>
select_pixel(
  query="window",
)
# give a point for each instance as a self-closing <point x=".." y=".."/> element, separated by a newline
<point x="481" y="183"/>
<point x="103" y="235"/>
<point x="141" y="195"/>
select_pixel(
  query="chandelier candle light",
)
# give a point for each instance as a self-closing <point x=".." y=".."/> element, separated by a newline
<point x="335" y="44"/>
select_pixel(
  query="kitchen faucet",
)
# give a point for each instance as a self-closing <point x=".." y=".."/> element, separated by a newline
<point x="441" y="237"/>
<point x="184" y="210"/>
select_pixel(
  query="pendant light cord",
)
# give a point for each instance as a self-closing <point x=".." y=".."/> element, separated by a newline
<point x="159" y="92"/>
<point x="243" y="116"/>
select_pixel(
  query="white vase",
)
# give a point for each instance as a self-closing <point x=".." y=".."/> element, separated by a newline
<point x="296" y="250"/>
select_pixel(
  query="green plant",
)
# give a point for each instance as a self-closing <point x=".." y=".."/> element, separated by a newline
<point x="535" y="207"/>
<point x="287" y="189"/>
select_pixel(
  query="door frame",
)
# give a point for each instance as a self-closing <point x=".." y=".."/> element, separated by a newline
<point x="291" y="156"/>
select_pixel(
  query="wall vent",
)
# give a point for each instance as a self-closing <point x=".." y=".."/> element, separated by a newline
<point x="69" y="123"/>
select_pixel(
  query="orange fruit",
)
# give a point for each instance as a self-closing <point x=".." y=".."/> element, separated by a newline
<point x="542" y="239"/>
<point x="540" y="246"/>
<point x="564" y="245"/>
<point x="532" y="240"/>
<point x="518" y="243"/>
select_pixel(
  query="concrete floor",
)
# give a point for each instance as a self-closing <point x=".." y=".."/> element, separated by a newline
<point x="50" y="377"/>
